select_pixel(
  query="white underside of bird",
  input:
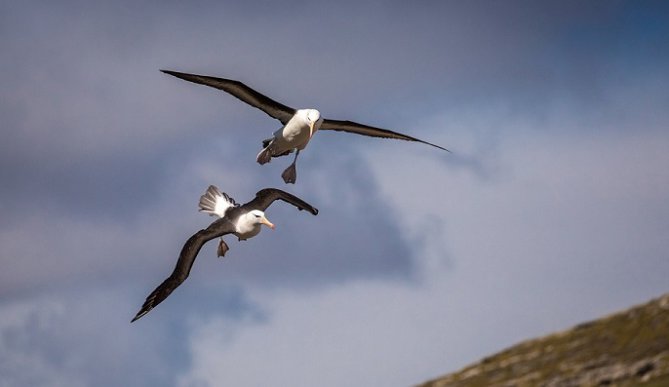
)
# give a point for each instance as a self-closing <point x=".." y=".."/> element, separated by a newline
<point x="295" y="135"/>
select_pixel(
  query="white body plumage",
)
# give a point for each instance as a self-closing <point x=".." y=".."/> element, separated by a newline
<point x="297" y="132"/>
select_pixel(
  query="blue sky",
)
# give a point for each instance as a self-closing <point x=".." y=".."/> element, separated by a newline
<point x="550" y="211"/>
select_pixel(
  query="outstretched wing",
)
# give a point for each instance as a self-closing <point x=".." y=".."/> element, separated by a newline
<point x="273" y="108"/>
<point x="365" y="130"/>
<point x="267" y="196"/>
<point x="182" y="269"/>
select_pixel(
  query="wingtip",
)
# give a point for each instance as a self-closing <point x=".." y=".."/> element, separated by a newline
<point x="315" y="211"/>
<point x="435" y="145"/>
<point x="175" y="73"/>
<point x="139" y="315"/>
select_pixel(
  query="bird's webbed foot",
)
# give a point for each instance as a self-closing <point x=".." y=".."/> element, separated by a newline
<point x="222" y="248"/>
<point x="290" y="174"/>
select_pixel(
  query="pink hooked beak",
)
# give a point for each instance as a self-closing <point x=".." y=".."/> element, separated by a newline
<point x="267" y="223"/>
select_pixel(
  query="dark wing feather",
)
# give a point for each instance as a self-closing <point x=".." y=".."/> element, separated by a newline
<point x="186" y="259"/>
<point x="365" y="130"/>
<point x="267" y="196"/>
<point x="275" y="109"/>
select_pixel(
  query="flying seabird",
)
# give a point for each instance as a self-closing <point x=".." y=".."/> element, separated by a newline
<point x="244" y="221"/>
<point x="299" y="125"/>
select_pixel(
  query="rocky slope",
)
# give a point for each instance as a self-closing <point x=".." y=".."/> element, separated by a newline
<point x="629" y="348"/>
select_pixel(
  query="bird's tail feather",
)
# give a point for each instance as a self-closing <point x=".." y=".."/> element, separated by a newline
<point x="214" y="202"/>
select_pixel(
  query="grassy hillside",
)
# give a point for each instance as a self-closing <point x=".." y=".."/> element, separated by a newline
<point x="629" y="348"/>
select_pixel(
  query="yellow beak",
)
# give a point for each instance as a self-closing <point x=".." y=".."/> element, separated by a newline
<point x="311" y="129"/>
<point x="267" y="223"/>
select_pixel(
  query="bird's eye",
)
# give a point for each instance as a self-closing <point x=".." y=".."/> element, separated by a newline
<point x="256" y="215"/>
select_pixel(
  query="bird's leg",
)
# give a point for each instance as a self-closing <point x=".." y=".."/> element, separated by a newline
<point x="290" y="174"/>
<point x="222" y="248"/>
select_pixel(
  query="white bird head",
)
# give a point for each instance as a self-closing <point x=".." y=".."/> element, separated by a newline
<point x="314" y="120"/>
<point x="258" y="217"/>
<point x="313" y="115"/>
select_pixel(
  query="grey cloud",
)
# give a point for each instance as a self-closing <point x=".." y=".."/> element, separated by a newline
<point x="88" y="246"/>
<point x="354" y="235"/>
<point x="62" y="342"/>
<point x="75" y="338"/>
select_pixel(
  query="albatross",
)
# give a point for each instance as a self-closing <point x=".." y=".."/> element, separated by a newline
<point x="244" y="221"/>
<point x="299" y="125"/>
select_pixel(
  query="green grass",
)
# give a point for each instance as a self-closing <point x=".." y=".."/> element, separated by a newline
<point x="612" y="349"/>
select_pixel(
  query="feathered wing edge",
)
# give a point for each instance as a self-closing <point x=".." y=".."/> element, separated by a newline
<point x="366" y="130"/>
<point x="265" y="197"/>
<point x="184" y="264"/>
<point x="241" y="91"/>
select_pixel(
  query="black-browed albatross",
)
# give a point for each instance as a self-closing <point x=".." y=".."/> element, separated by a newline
<point x="244" y="221"/>
<point x="299" y="125"/>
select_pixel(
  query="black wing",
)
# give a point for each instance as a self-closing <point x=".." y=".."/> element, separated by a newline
<point x="267" y="196"/>
<point x="186" y="258"/>
<point x="365" y="130"/>
<point x="275" y="109"/>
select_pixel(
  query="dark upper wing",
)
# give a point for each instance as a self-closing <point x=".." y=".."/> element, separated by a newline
<point x="354" y="127"/>
<point x="275" y="109"/>
<point x="186" y="258"/>
<point x="267" y="196"/>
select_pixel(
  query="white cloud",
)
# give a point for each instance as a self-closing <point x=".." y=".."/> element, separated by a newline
<point x="363" y="333"/>
<point x="20" y="363"/>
